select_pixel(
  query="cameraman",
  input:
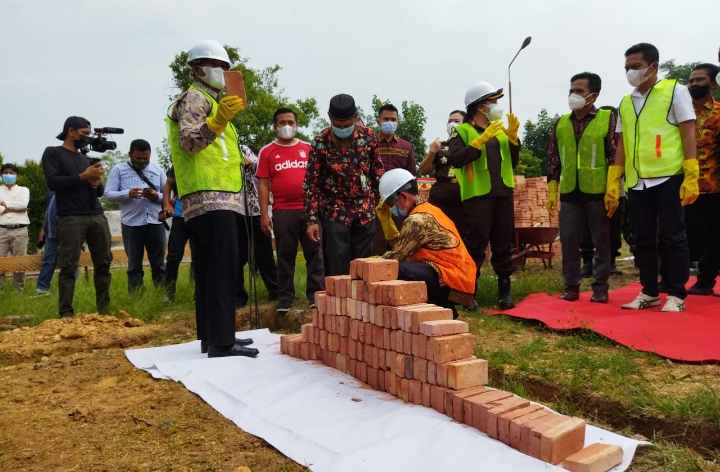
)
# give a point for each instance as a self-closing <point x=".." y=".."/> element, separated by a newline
<point x="137" y="186"/>
<point x="77" y="183"/>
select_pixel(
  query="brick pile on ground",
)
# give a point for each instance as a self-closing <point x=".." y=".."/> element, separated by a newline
<point x="530" y="198"/>
<point x="381" y="331"/>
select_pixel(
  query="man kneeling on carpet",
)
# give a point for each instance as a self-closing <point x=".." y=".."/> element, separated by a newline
<point x="429" y="247"/>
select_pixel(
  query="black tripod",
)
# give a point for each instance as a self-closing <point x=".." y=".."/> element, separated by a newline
<point x="254" y="309"/>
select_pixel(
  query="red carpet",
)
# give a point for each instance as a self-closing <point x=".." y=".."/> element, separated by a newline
<point x="691" y="336"/>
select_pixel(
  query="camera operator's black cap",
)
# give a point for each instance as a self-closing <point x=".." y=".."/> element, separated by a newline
<point x="342" y="107"/>
<point x="74" y="122"/>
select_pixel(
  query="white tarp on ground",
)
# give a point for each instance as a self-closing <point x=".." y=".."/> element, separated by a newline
<point x="310" y="413"/>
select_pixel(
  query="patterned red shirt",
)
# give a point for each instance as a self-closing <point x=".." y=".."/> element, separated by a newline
<point x="341" y="184"/>
<point x="707" y="135"/>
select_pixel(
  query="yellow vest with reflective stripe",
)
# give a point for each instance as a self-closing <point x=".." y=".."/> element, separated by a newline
<point x="653" y="145"/>
<point x="583" y="162"/>
<point x="474" y="178"/>
<point x="215" y="168"/>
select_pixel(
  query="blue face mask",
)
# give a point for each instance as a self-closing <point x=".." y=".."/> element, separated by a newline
<point x="9" y="179"/>
<point x="343" y="133"/>
<point x="398" y="212"/>
<point x="388" y="127"/>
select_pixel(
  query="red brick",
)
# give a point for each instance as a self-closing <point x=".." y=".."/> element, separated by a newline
<point x="415" y="391"/>
<point x="323" y="339"/>
<point x="361" y="371"/>
<point x="351" y="308"/>
<point x="387" y="323"/>
<point x="437" y="398"/>
<point x="427" y="395"/>
<point x="468" y="373"/>
<point x="390" y="362"/>
<point x="343" y="306"/>
<point x="369" y="331"/>
<point x="372" y="378"/>
<point x="338" y="306"/>
<point x="358" y="309"/>
<point x="352" y="365"/>
<point x="399" y="340"/>
<point x="391" y="383"/>
<point x="360" y="351"/>
<point x="343" y="345"/>
<point x="563" y="440"/>
<point x="421" y="315"/>
<point x="541" y="424"/>
<point x="404" y="318"/>
<point x="517" y="424"/>
<point x="361" y="332"/>
<point x="316" y="335"/>
<point x="315" y="316"/>
<point x="420" y="369"/>
<point x="367" y="353"/>
<point x="409" y="367"/>
<point x="342" y="324"/>
<point x="500" y="407"/>
<point x="377" y="269"/>
<point x="321" y="302"/>
<point x="391" y="313"/>
<point x="419" y="345"/>
<point x="375" y="359"/>
<point x="330" y="285"/>
<point x="454" y="401"/>
<point x="354" y="269"/>
<point x="381" y="359"/>
<point x="353" y="329"/>
<point x="450" y="348"/>
<point x="386" y="338"/>
<point x="594" y="458"/>
<point x="381" y="381"/>
<point x="378" y="337"/>
<point x="442" y="374"/>
<point x="365" y="312"/>
<point x="356" y="289"/>
<point x="432" y="373"/>
<point x="352" y="348"/>
<point x="443" y="327"/>
<point x="404" y="389"/>
<point x="504" y="420"/>
<point x="400" y="364"/>
<point x="406" y="293"/>
<point x="480" y="404"/>
<point x="407" y="343"/>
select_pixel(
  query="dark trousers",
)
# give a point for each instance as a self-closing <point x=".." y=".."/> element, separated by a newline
<point x="656" y="214"/>
<point x="138" y="239"/>
<point x="446" y="196"/>
<point x="490" y="220"/>
<point x="707" y="205"/>
<point x="695" y="220"/>
<point x="587" y="248"/>
<point x="264" y="258"/>
<point x="290" y="227"/>
<point x="345" y="243"/>
<point x="72" y="231"/>
<point x="380" y="244"/>
<point x="180" y="235"/>
<point x="217" y="238"/>
<point x="574" y="218"/>
<point x="421" y="271"/>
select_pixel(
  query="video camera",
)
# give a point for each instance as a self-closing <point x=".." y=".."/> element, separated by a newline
<point x="98" y="142"/>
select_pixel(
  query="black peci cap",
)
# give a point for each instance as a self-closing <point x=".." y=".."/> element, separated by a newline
<point x="74" y="122"/>
<point x="342" y="107"/>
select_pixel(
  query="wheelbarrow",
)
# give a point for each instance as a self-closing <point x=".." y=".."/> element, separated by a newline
<point x="528" y="241"/>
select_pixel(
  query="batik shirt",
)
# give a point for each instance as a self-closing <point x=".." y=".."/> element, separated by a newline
<point x="707" y="135"/>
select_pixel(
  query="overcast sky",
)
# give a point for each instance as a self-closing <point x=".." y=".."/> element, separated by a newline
<point x="108" y="60"/>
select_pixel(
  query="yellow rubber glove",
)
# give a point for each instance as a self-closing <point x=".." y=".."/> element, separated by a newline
<point x="612" y="191"/>
<point x="495" y="129"/>
<point x="226" y="110"/>
<point x="513" y="128"/>
<point x="388" y="225"/>
<point x="689" y="190"/>
<point x="552" y="197"/>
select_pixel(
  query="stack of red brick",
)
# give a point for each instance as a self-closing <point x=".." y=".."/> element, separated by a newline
<point x="530" y="198"/>
<point x="381" y="331"/>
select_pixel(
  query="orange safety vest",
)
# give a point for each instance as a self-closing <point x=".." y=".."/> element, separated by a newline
<point x="455" y="264"/>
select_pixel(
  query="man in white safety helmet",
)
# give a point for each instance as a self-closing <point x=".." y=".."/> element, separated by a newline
<point x="207" y="161"/>
<point x="428" y="247"/>
<point x="483" y="153"/>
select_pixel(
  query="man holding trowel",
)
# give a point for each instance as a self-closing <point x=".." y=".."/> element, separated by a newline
<point x="207" y="161"/>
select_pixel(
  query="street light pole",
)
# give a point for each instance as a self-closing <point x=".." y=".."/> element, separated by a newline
<point x="524" y="45"/>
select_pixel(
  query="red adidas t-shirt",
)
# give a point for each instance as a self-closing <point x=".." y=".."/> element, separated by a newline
<point x="285" y="167"/>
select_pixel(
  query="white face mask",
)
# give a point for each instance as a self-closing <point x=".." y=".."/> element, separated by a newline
<point x="214" y="77"/>
<point x="576" y="102"/>
<point x="287" y="132"/>
<point x="637" y="77"/>
<point x="451" y="126"/>
<point x="495" y="112"/>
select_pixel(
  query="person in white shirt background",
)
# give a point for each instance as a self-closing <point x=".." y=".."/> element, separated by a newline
<point x="14" y="221"/>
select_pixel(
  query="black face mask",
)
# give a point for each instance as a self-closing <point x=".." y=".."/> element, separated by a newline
<point x="698" y="91"/>
<point x="139" y="165"/>
<point x="83" y="141"/>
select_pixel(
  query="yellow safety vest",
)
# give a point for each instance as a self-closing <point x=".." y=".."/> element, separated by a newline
<point x="583" y="162"/>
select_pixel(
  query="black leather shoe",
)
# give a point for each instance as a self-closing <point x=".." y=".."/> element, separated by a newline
<point x="599" y="297"/>
<point x="586" y="270"/>
<point x="570" y="295"/>
<point x="698" y="289"/>
<point x="238" y="342"/>
<point x="505" y="303"/>
<point x="234" y="350"/>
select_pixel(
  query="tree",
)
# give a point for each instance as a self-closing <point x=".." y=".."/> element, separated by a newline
<point x="32" y="177"/>
<point x="109" y="160"/>
<point x="529" y="165"/>
<point x="163" y="155"/>
<point x="681" y="72"/>
<point x="255" y="123"/>
<point x="537" y="137"/>
<point x="412" y="124"/>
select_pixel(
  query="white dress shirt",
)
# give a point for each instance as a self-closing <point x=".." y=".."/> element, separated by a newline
<point x="16" y="198"/>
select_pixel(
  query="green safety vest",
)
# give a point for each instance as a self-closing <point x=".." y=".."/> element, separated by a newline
<point x="583" y="162"/>
<point x="215" y="168"/>
<point x="474" y="178"/>
<point x="653" y="145"/>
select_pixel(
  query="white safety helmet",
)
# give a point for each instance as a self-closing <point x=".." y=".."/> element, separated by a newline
<point x="481" y="91"/>
<point x="394" y="180"/>
<point x="208" y="49"/>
